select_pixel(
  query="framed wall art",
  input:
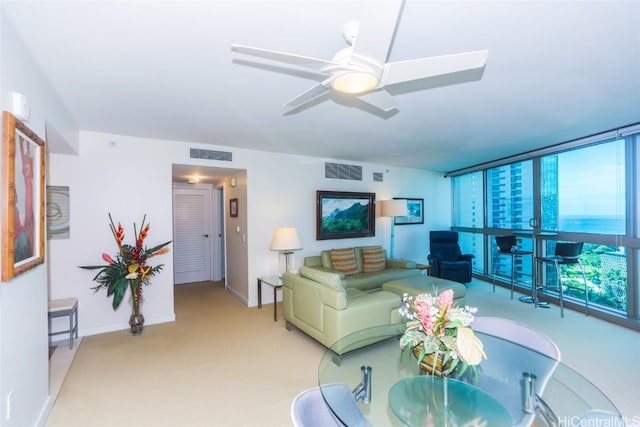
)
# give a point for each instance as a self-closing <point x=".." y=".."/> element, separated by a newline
<point x="415" y="212"/>
<point x="57" y="212"/>
<point x="343" y="215"/>
<point x="23" y="208"/>
<point x="233" y="207"/>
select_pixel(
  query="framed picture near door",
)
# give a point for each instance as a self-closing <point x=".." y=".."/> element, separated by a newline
<point x="23" y="202"/>
<point x="233" y="207"/>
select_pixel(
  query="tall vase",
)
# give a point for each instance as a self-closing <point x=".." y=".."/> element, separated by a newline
<point x="136" y="321"/>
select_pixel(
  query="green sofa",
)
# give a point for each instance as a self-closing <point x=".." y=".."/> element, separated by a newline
<point x="328" y="305"/>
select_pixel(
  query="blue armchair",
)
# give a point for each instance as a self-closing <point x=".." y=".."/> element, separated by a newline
<point x="446" y="258"/>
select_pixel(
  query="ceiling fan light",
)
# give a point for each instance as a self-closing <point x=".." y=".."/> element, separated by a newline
<point x="355" y="82"/>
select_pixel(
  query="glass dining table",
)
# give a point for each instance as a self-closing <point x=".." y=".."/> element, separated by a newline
<point x="379" y="385"/>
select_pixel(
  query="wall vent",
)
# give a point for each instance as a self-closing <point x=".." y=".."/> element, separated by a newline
<point x="340" y="171"/>
<point x="378" y="177"/>
<point x="196" y="153"/>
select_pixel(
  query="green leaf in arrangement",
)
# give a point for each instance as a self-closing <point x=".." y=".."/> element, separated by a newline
<point x="118" y="295"/>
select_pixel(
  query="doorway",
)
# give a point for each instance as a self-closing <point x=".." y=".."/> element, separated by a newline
<point x="197" y="233"/>
<point x="224" y="184"/>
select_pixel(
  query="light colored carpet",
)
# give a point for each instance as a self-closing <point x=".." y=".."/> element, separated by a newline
<point x="222" y="364"/>
<point x="218" y="364"/>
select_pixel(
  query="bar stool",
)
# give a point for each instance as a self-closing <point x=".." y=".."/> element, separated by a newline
<point x="507" y="246"/>
<point x="566" y="253"/>
<point x="65" y="307"/>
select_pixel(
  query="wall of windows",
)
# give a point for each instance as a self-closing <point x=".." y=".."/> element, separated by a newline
<point x="583" y="191"/>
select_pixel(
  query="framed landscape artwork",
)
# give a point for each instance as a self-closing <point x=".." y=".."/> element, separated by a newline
<point x="23" y="201"/>
<point x="415" y="212"/>
<point x="343" y="215"/>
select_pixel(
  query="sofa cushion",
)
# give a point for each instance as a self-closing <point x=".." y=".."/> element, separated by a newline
<point x="373" y="281"/>
<point x="426" y="284"/>
<point x="373" y="258"/>
<point x="344" y="260"/>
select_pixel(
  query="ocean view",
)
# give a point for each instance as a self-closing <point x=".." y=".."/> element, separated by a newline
<point x="604" y="224"/>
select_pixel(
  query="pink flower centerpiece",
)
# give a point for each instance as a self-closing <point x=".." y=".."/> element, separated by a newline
<point x="439" y="327"/>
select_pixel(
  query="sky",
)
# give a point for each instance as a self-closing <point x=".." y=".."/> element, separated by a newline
<point x="592" y="180"/>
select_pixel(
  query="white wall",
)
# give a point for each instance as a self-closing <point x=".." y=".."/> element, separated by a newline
<point x="237" y="237"/>
<point x="130" y="177"/>
<point x="24" y="367"/>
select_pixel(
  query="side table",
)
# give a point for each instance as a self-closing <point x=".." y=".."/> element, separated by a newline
<point x="424" y="268"/>
<point x="276" y="283"/>
<point x="65" y="307"/>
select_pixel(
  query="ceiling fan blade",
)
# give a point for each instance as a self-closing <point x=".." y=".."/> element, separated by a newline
<point x="377" y="28"/>
<point x="308" y="96"/>
<point x="404" y="71"/>
<point x="381" y="99"/>
<point x="289" y="58"/>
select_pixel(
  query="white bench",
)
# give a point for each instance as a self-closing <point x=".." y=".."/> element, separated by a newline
<point x="65" y="307"/>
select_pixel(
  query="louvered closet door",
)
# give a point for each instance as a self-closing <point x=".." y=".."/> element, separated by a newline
<point x="192" y="235"/>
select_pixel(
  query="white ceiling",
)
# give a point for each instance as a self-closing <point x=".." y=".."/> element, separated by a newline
<point x="557" y="70"/>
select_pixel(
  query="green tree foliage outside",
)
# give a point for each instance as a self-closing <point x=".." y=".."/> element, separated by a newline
<point x="608" y="290"/>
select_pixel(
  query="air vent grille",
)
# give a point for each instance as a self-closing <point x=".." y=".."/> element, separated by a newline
<point x="378" y="177"/>
<point x="196" y="153"/>
<point x="341" y="171"/>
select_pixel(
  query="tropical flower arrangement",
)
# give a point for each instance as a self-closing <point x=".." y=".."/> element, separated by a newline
<point x="437" y="326"/>
<point x="129" y="269"/>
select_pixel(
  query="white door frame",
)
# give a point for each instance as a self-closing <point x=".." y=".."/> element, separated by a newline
<point x="217" y="240"/>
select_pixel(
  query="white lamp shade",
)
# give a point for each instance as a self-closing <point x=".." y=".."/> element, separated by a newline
<point x="394" y="207"/>
<point x="285" y="239"/>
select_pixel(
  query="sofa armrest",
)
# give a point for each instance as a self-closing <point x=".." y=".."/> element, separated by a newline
<point x="312" y="293"/>
<point x="323" y="275"/>
<point x="399" y="263"/>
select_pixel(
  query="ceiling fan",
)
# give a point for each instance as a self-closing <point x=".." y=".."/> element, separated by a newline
<point x="361" y="69"/>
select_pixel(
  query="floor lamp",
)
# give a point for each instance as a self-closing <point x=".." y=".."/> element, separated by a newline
<point x="393" y="208"/>
<point x="285" y="240"/>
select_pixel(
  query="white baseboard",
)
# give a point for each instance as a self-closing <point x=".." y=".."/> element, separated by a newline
<point x="238" y="296"/>
<point x="44" y="413"/>
<point x="85" y="332"/>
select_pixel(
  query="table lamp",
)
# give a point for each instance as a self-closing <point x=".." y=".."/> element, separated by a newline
<point x="393" y="208"/>
<point x="285" y="240"/>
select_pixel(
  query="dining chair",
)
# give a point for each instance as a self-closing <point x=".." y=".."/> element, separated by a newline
<point x="507" y="246"/>
<point x="309" y="408"/>
<point x="514" y="348"/>
<point x="566" y="253"/>
<point x="517" y="332"/>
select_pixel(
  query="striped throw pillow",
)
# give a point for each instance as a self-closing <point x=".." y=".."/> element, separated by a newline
<point x="373" y="258"/>
<point x="344" y="260"/>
